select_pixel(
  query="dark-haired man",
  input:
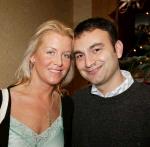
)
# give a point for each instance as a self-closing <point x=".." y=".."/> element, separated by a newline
<point x="115" y="110"/>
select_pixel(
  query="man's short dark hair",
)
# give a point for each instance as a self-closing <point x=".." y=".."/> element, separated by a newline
<point x="97" y="23"/>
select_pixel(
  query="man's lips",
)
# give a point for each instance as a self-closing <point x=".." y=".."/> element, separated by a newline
<point x="93" y="70"/>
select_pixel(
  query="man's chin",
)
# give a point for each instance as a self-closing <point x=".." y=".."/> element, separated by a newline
<point x="95" y="82"/>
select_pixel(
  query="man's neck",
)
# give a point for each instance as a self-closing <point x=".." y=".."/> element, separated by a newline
<point x="116" y="80"/>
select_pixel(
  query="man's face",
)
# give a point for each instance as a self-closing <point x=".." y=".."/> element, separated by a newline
<point x="96" y="57"/>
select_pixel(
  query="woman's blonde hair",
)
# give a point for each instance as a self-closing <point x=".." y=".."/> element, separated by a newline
<point x="23" y="73"/>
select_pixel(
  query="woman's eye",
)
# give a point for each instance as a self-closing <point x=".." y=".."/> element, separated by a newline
<point x="68" y="56"/>
<point x="51" y="52"/>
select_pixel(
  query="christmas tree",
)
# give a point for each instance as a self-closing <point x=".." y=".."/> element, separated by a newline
<point x="133" y="17"/>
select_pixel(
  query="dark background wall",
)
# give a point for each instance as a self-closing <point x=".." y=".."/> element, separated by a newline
<point x="18" y="20"/>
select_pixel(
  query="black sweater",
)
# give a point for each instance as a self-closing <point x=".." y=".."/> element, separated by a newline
<point x="119" y="121"/>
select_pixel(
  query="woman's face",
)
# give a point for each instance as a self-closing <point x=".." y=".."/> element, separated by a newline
<point x="52" y="59"/>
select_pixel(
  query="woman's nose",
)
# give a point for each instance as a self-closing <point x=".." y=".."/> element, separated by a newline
<point x="58" y="60"/>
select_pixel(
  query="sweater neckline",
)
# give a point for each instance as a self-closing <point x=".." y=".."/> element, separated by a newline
<point x="117" y="98"/>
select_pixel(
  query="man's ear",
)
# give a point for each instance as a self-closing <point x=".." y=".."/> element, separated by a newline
<point x="119" y="48"/>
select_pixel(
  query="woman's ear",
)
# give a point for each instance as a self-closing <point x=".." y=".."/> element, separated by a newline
<point x="119" y="48"/>
<point x="32" y="59"/>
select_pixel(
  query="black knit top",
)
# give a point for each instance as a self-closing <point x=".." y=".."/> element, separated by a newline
<point x="119" y="121"/>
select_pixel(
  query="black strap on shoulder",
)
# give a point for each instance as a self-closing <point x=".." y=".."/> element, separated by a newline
<point x="4" y="126"/>
<point x="0" y="98"/>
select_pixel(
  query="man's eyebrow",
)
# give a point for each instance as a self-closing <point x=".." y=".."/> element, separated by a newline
<point x="96" y="44"/>
<point x="77" y="52"/>
<point x="90" y="47"/>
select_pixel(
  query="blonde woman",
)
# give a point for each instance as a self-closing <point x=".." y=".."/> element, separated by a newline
<point x="40" y="114"/>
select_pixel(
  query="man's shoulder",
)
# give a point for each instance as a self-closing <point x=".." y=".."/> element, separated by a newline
<point x="142" y="88"/>
<point x="66" y="100"/>
<point x="82" y="92"/>
<point x="140" y="92"/>
<point x="85" y="89"/>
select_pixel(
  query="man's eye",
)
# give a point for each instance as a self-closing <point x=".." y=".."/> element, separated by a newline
<point x="78" y="56"/>
<point x="96" y="50"/>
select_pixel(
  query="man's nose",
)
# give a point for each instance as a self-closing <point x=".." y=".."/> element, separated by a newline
<point x="89" y="60"/>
